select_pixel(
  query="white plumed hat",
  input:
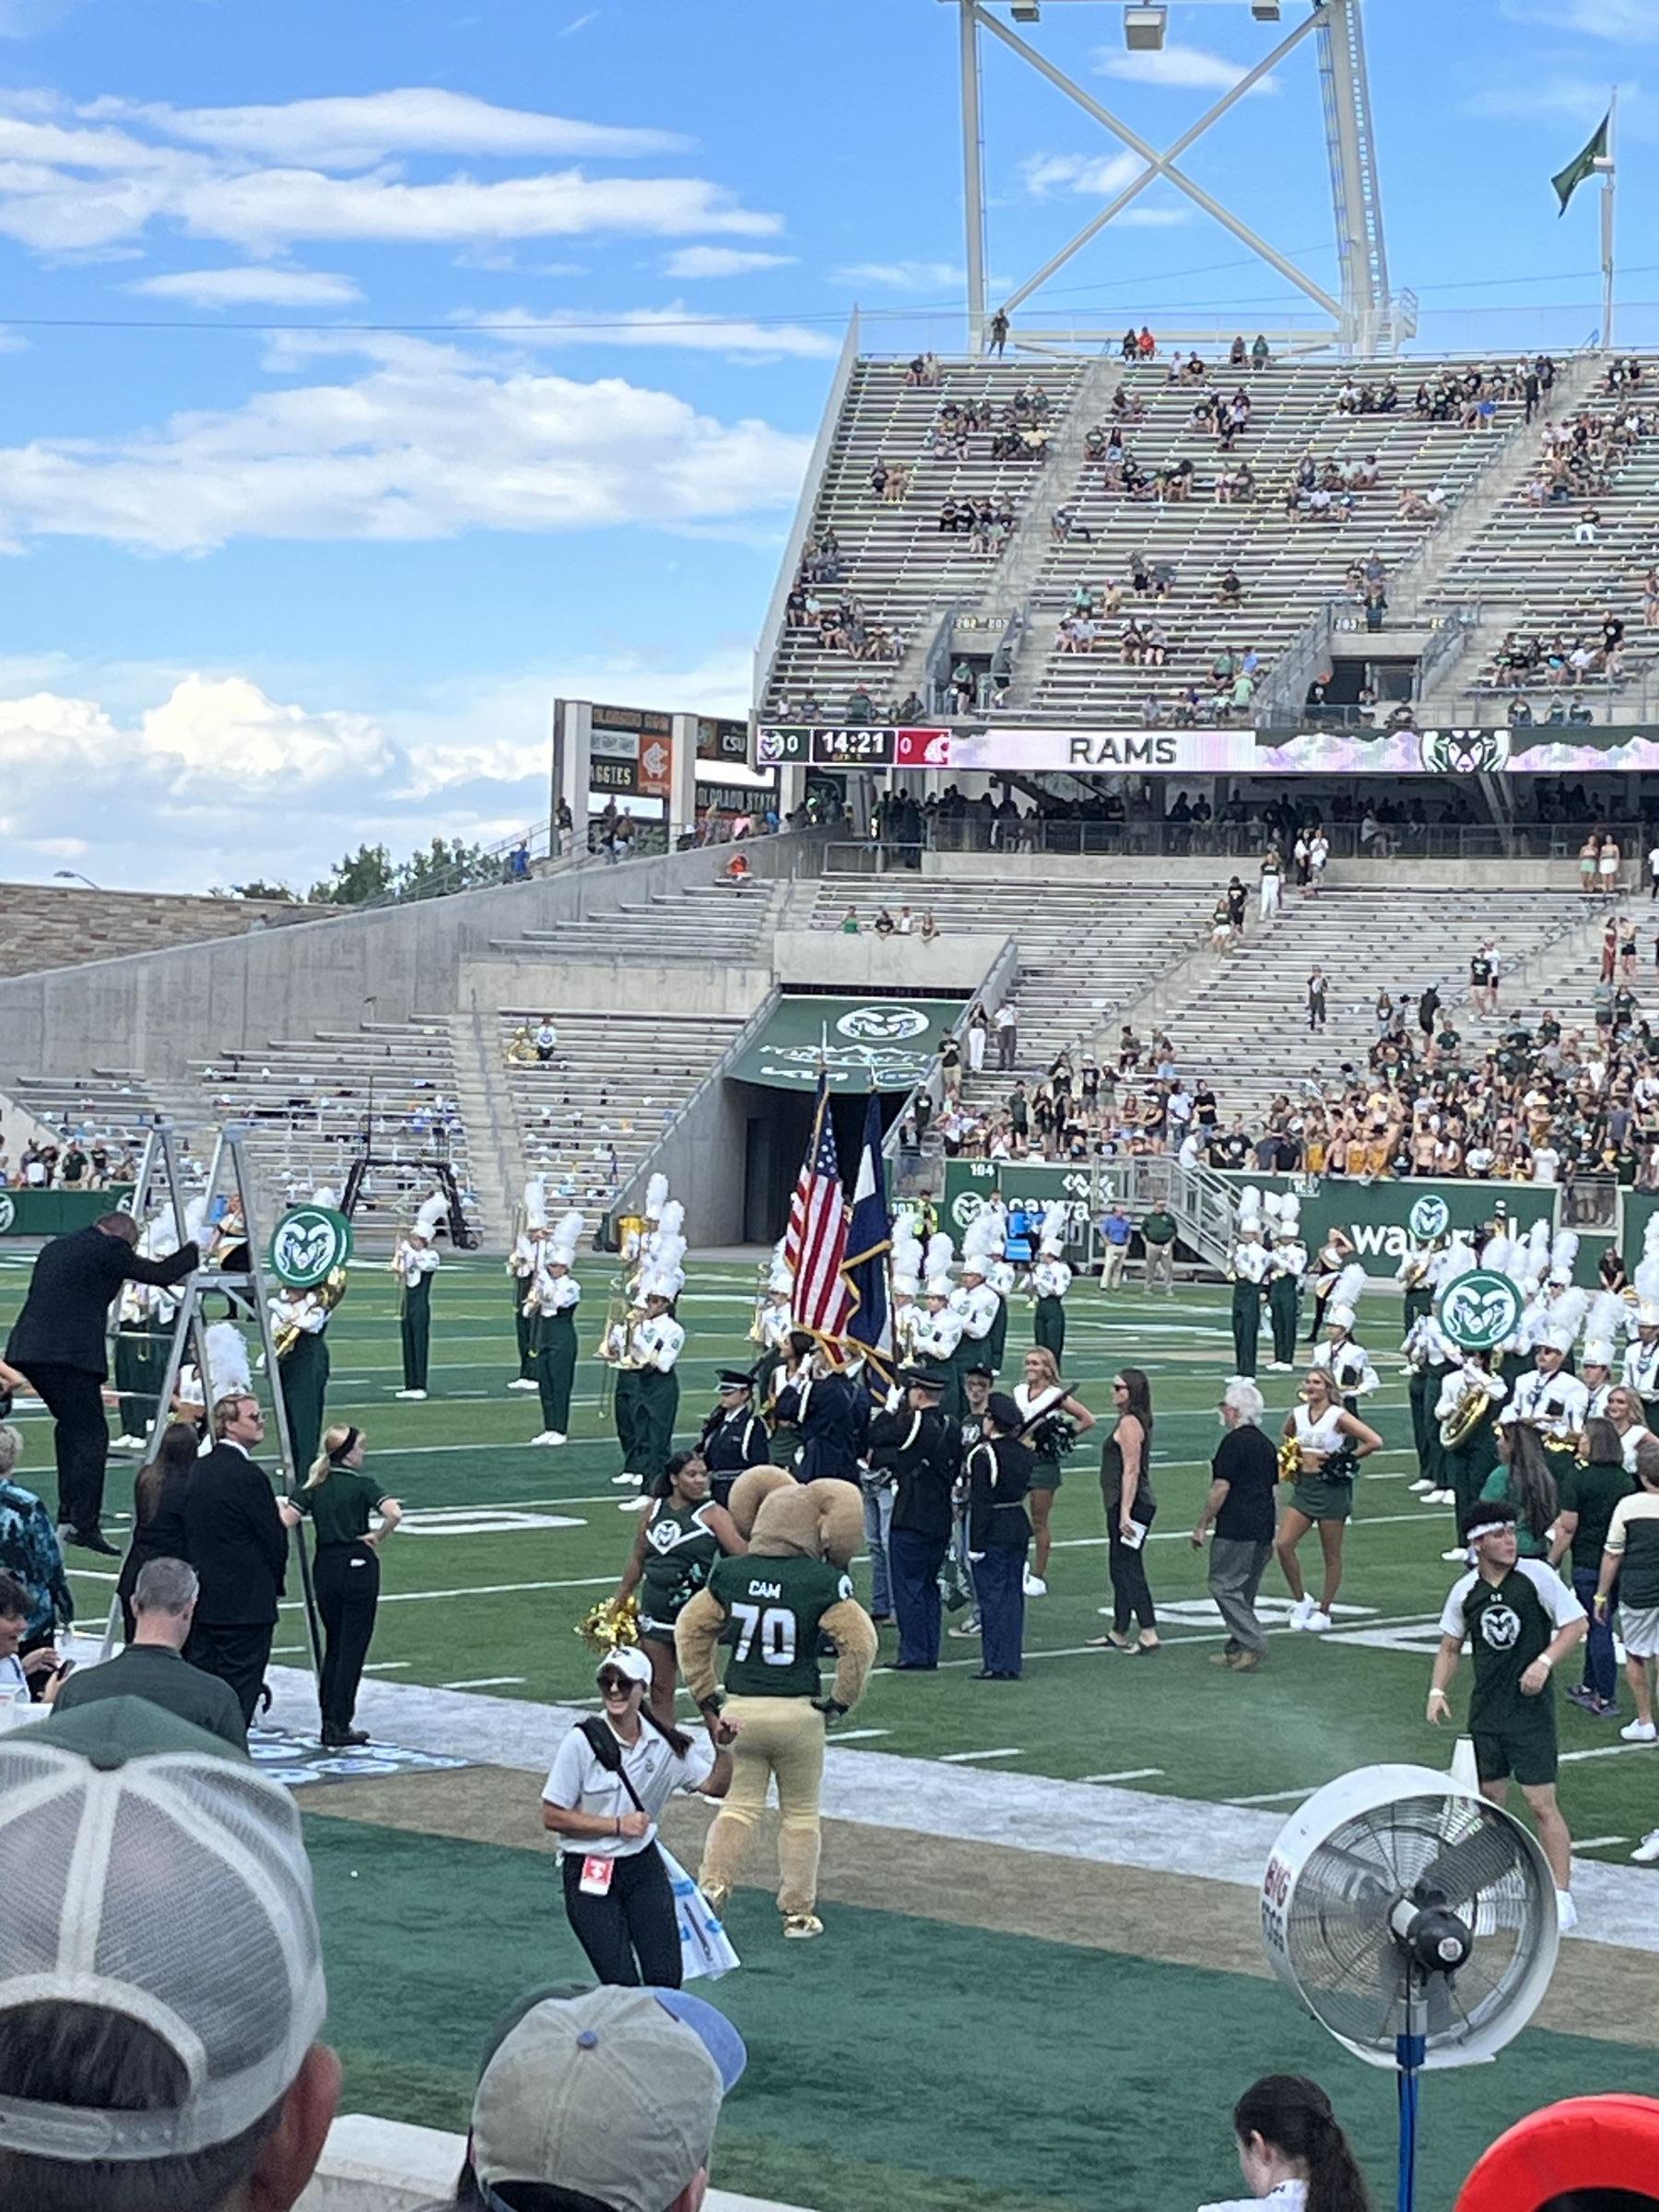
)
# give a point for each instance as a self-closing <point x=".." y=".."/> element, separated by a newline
<point x="536" y="1204"/>
<point x="657" y="1197"/>
<point x="567" y="1235"/>
<point x="433" y="1212"/>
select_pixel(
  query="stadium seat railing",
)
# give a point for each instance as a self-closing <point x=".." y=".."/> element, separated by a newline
<point x="1148" y="838"/>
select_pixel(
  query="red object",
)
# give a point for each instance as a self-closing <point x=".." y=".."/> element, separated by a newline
<point x="921" y="748"/>
<point x="1585" y="2143"/>
<point x="656" y="768"/>
<point x="814" y="1244"/>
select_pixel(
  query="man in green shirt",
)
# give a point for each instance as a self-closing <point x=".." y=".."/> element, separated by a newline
<point x="153" y="1666"/>
<point x="1520" y="1620"/>
<point x="1157" y="1234"/>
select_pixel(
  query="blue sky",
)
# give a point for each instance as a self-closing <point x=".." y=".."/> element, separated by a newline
<point x="306" y="559"/>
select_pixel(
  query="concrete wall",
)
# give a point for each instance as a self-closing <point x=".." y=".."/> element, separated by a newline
<point x="611" y="986"/>
<point x="866" y="962"/>
<point x="371" y="2165"/>
<point x="158" y="1011"/>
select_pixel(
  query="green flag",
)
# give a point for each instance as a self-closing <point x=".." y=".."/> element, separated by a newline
<point x="1582" y="165"/>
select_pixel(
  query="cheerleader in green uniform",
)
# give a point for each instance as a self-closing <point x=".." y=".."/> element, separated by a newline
<point x="680" y="1538"/>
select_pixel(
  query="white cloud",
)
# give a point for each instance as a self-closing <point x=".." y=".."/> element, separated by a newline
<point x="579" y="23"/>
<point x="251" y="287"/>
<point x="1193" y="67"/>
<point x="211" y="737"/>
<point x="1545" y="99"/>
<point x="355" y="131"/>
<point x="1096" y="176"/>
<point x="904" y="276"/>
<point x="677" y="325"/>
<point x="1141" y="218"/>
<point x="720" y="261"/>
<point x="1628" y="22"/>
<point x="428" y="444"/>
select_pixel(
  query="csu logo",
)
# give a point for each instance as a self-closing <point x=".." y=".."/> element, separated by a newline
<point x="1429" y="1217"/>
<point x="8" y="1212"/>
<point x="967" y="1208"/>
<point x="883" y="1025"/>
<point x="1501" y="1628"/>
<point x="310" y="1243"/>
<point x="1463" y="752"/>
<point x="1480" y="1310"/>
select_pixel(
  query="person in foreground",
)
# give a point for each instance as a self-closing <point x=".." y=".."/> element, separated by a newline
<point x="611" y="1777"/>
<point x="153" y="1666"/>
<point x="599" y="2100"/>
<point x="155" y="2060"/>
<point x="1293" y="2155"/>
<point x="1521" y="1621"/>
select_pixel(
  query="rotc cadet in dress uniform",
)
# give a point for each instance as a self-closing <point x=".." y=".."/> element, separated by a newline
<point x="520" y="1275"/>
<point x="1288" y="1265"/>
<point x="1341" y="1355"/>
<point x="999" y="1479"/>
<point x="940" y="1334"/>
<point x="734" y="1436"/>
<point x="831" y="1412"/>
<point x="915" y="1448"/>
<point x="554" y="1296"/>
<point x="1550" y="1399"/>
<point x="1049" y="1282"/>
<point x="1248" y="1268"/>
<point x="415" y="1262"/>
<point x="658" y="1342"/>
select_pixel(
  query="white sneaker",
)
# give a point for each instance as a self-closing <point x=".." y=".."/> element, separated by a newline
<point x="1422" y="1486"/>
<point x="1301" y="1612"/>
<point x="633" y="1505"/>
<point x="1646" y="1852"/>
<point x="618" y="1481"/>
<point x="1034" y="1585"/>
<point x="1460" y="1557"/>
<point x="1566" y="1912"/>
<point x="1317" y="1622"/>
<point x="547" y="1436"/>
<point x="414" y="1395"/>
<point x="1640" y="1731"/>
<point x="1440" y="1497"/>
<point x="523" y="1382"/>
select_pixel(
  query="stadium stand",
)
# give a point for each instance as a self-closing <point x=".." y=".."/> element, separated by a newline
<point x="43" y="926"/>
<point x="696" y="922"/>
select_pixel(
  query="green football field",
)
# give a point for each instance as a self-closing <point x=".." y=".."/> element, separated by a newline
<point x="1013" y="2026"/>
<point x="507" y="1545"/>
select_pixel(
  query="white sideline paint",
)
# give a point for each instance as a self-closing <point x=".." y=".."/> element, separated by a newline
<point x="958" y="1759"/>
<point x="962" y="1803"/>
<point x="371" y="2165"/>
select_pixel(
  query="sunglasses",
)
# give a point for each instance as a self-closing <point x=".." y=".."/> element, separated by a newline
<point x="614" y="1685"/>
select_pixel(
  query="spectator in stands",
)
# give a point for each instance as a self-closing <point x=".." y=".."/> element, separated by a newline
<point x="996" y="336"/>
<point x="135" y="2008"/>
<point x="30" y="1554"/>
<point x="1146" y="344"/>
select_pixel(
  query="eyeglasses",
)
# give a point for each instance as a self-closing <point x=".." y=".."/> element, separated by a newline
<point x="614" y="1685"/>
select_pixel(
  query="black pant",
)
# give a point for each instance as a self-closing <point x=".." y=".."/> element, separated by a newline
<point x="1130" y="1595"/>
<point x="347" y="1580"/>
<point x="237" y="1655"/>
<point x="632" y="1934"/>
<point x="81" y="1437"/>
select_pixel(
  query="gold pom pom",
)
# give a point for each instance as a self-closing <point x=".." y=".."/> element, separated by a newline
<point x="611" y="1622"/>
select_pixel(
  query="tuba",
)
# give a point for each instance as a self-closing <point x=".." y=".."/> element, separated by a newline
<point x="1466" y="1416"/>
<point x="328" y="1294"/>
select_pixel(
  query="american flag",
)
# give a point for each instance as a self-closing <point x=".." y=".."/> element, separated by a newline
<point x="814" y="1244"/>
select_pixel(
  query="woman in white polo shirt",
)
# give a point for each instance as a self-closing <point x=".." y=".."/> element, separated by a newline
<point x="1293" y="2155"/>
<point x="609" y="1782"/>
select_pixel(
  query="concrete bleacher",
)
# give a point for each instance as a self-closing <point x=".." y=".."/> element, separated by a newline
<point x="107" y="1106"/>
<point x="895" y="559"/>
<point x="1527" y="573"/>
<point x="729" y="924"/>
<point x="53" y="925"/>
<point x="587" y="1118"/>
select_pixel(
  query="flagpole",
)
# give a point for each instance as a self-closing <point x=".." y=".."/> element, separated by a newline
<point x="1609" y="179"/>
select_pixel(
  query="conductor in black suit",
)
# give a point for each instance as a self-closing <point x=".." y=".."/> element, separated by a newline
<point x="235" y="1540"/>
<point x="60" y="1342"/>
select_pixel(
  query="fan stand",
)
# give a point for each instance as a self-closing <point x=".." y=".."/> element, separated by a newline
<point x="1410" y="2049"/>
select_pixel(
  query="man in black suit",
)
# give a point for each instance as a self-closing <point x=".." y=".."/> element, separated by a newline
<point x="236" y="1542"/>
<point x="60" y="1343"/>
<point x="832" y="1413"/>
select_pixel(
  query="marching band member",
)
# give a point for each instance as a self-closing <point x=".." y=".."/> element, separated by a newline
<point x="144" y="1326"/>
<point x="734" y="1436"/>
<point x="1414" y="1276"/>
<point x="619" y="1349"/>
<point x="908" y="1316"/>
<point x="1287" y="1262"/>
<point x="659" y="1340"/>
<point x="1466" y="1415"/>
<point x="553" y="1299"/>
<point x="1603" y="1329"/>
<point x="1342" y="1355"/>
<point x="227" y="1374"/>
<point x="1640" y="1369"/>
<point x="302" y="1363"/>
<point x="1550" y="1399"/>
<point x="940" y="1335"/>
<point x="1248" y="1271"/>
<point x="415" y="1262"/>
<point x="1328" y="1441"/>
<point x="1327" y="1266"/>
<point x="1049" y="1281"/>
<point x="999" y="1281"/>
<point x="773" y="1316"/>
<point x="975" y="1302"/>
<point x="521" y="1274"/>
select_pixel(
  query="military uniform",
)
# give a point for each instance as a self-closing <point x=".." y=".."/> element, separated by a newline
<point x="914" y="1453"/>
<point x="731" y="1442"/>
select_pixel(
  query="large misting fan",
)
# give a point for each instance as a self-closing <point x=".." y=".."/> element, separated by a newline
<point x="1415" y="1922"/>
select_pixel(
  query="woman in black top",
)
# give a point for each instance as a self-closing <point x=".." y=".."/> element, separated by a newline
<point x="340" y="1502"/>
<point x="999" y="1534"/>
<point x="1126" y="1493"/>
<point x="158" y="1511"/>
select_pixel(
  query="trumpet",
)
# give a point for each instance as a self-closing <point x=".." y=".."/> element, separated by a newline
<point x="757" y="1328"/>
<point x="328" y="1294"/>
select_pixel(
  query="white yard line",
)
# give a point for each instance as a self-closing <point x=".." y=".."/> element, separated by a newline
<point x="488" y="1682"/>
<point x="960" y="1758"/>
